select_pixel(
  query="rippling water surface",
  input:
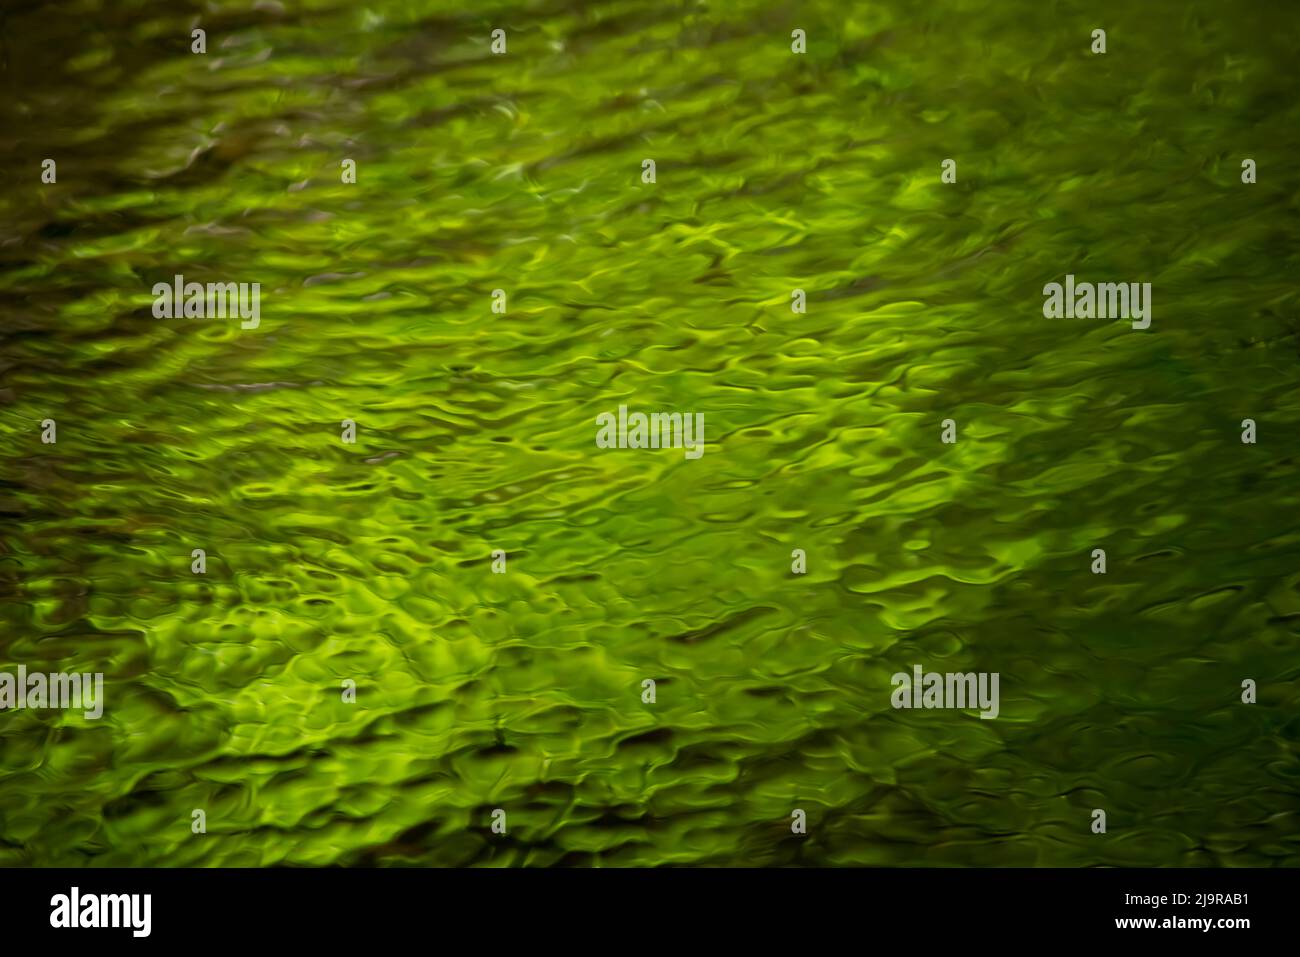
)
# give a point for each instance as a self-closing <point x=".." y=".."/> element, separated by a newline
<point x="523" y="691"/>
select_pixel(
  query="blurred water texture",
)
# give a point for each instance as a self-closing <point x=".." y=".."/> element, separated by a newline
<point x="476" y="432"/>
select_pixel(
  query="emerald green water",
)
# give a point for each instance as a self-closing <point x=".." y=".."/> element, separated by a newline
<point x="523" y="690"/>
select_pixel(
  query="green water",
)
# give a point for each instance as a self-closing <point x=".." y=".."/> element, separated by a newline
<point x="523" y="691"/>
